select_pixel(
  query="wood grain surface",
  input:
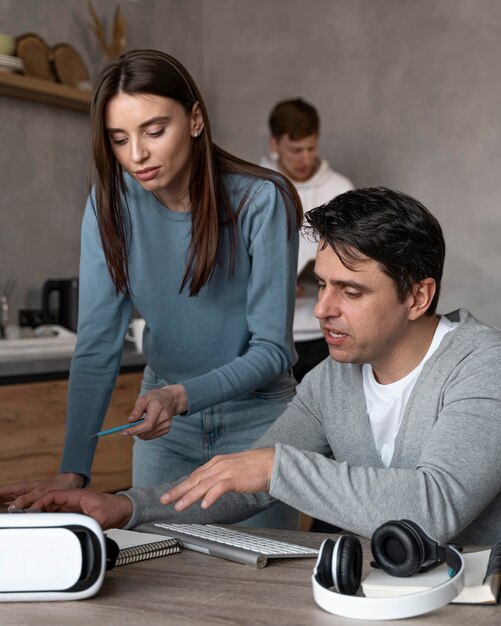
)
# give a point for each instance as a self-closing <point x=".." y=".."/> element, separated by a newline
<point x="32" y="425"/>
<point x="44" y="91"/>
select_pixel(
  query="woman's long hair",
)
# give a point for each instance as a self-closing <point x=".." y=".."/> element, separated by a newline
<point x="153" y="72"/>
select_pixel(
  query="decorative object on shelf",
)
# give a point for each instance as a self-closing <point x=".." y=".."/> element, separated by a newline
<point x="11" y="64"/>
<point x="61" y="63"/>
<point x="7" y="44"/>
<point x="116" y="47"/>
<point x="41" y="67"/>
<point x="69" y="66"/>
<point x="35" y="54"/>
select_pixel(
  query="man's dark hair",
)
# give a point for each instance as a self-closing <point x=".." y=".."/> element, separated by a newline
<point x="296" y="118"/>
<point x="388" y="226"/>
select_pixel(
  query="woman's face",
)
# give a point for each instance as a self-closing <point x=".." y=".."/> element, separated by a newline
<point x="151" y="137"/>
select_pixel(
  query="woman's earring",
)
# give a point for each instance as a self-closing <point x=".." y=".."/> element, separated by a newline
<point x="195" y="134"/>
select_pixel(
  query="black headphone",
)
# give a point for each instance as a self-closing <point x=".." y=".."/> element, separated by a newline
<point x="400" y="548"/>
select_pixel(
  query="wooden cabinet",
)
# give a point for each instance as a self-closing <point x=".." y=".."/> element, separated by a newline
<point x="32" y="425"/>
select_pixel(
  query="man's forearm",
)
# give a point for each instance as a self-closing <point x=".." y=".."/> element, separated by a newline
<point x="230" y="508"/>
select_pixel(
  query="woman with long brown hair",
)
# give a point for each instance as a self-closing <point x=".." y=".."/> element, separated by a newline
<point x="204" y="246"/>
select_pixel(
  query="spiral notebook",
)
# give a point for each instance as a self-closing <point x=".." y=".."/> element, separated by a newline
<point x="134" y="546"/>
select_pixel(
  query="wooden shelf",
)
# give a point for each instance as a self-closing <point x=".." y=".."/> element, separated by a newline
<point x="44" y="91"/>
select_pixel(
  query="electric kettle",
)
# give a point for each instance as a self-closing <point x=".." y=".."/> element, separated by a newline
<point x="60" y="302"/>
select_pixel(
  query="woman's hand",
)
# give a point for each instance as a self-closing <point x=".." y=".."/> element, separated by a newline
<point x="23" y="495"/>
<point x="108" y="510"/>
<point x="158" y="407"/>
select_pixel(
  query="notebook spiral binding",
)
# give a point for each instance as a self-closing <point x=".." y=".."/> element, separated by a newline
<point x="148" y="551"/>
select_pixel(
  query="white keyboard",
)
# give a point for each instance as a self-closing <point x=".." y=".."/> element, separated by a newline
<point x="232" y="544"/>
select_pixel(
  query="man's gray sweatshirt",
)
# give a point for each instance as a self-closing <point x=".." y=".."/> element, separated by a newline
<point x="445" y="473"/>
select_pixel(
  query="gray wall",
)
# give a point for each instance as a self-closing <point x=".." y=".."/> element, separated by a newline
<point x="407" y="91"/>
<point x="44" y="154"/>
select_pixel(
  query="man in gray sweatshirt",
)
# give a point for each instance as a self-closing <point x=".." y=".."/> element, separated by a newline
<point x="403" y="420"/>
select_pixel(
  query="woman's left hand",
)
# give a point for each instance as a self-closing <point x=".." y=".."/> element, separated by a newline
<point x="158" y="407"/>
<point x="109" y="510"/>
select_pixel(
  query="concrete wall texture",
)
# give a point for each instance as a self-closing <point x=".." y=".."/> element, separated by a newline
<point x="407" y="91"/>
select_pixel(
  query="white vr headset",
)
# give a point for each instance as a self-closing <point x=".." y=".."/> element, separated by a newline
<point x="400" y="548"/>
<point x="50" y="556"/>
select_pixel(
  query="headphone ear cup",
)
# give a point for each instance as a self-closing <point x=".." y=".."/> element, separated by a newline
<point x="324" y="564"/>
<point x="398" y="549"/>
<point x="348" y="565"/>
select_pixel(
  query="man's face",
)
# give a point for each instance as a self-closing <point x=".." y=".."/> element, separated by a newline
<point x="361" y="316"/>
<point x="297" y="159"/>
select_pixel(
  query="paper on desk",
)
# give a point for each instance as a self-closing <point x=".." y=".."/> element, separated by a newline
<point x="380" y="584"/>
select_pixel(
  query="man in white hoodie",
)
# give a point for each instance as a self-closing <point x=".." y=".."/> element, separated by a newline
<point x="294" y="133"/>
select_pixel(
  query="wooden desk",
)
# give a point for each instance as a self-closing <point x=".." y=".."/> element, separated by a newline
<point x="192" y="589"/>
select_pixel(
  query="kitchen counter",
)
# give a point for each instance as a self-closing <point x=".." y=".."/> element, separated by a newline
<point x="30" y="368"/>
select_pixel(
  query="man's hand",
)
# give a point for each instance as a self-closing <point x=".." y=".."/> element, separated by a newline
<point x="108" y="510"/>
<point x="243" y="472"/>
<point x="157" y="406"/>
<point x="22" y="495"/>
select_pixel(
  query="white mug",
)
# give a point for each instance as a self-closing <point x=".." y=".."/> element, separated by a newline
<point x="135" y="333"/>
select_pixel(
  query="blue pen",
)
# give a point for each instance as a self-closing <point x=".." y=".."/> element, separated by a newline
<point x="117" y="429"/>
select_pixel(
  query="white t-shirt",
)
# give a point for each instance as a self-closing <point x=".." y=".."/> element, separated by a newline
<point x="386" y="403"/>
<point x="324" y="185"/>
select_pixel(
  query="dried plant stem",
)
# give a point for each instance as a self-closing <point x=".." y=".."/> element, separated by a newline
<point x="118" y="36"/>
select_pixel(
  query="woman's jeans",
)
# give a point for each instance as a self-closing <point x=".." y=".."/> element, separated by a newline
<point x="193" y="440"/>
